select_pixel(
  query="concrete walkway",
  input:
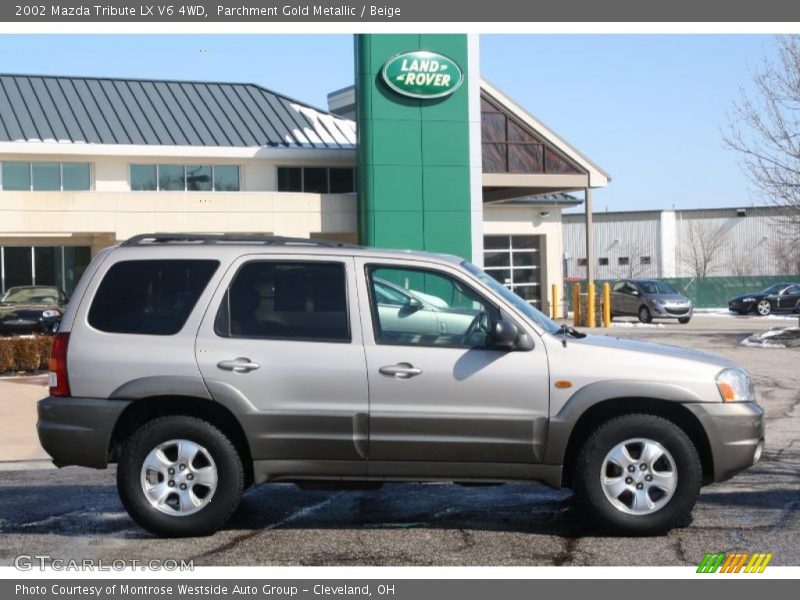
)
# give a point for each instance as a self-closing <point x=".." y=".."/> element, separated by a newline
<point x="18" y="439"/>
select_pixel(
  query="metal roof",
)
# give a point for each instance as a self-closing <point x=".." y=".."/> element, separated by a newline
<point x="102" y="110"/>
<point x="551" y="199"/>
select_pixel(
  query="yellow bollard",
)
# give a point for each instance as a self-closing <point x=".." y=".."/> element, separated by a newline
<point x="576" y="304"/>
<point x="606" y="305"/>
<point x="590" y="304"/>
<point x="554" y="302"/>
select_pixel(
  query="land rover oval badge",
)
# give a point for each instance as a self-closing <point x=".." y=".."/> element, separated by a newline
<point x="422" y="74"/>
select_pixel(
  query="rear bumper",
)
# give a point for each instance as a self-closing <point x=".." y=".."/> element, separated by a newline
<point x="735" y="432"/>
<point x="76" y="431"/>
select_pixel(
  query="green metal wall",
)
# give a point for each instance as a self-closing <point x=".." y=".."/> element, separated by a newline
<point x="711" y="292"/>
<point x="413" y="154"/>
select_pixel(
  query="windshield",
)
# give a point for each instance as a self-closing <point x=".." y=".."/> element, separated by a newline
<point x="31" y="295"/>
<point x="656" y="287"/>
<point x="529" y="311"/>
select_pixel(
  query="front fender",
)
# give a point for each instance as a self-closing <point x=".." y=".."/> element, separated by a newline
<point x="563" y="423"/>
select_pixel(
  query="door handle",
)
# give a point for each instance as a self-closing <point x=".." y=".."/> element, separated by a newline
<point x="401" y="370"/>
<point x="238" y="365"/>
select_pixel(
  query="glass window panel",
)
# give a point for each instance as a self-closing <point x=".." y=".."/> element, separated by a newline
<point x="149" y="297"/>
<point x="496" y="242"/>
<point x="528" y="292"/>
<point x="493" y="127"/>
<point x="526" y="276"/>
<point x="76" y="259"/>
<point x="501" y="275"/>
<point x="434" y="310"/>
<point x="16" y="176"/>
<point x="290" y="301"/>
<point x="525" y="259"/>
<point x="517" y="133"/>
<point x="198" y="178"/>
<point x="603" y="261"/>
<point x="290" y="179"/>
<point x="315" y="180"/>
<point x="342" y="181"/>
<point x="171" y="178"/>
<point x="555" y="164"/>
<point x="46" y="176"/>
<point x="487" y="106"/>
<point x="525" y="241"/>
<point x="47" y="260"/>
<point x="494" y="158"/>
<point x="76" y="176"/>
<point x="525" y="158"/>
<point x="18" y="263"/>
<point x="143" y="178"/>
<point x="623" y="261"/>
<point x="226" y="178"/>
<point x="496" y="259"/>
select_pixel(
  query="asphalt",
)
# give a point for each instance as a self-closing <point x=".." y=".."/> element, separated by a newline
<point x="74" y="513"/>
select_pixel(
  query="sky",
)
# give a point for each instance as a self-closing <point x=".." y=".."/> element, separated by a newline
<point x="649" y="110"/>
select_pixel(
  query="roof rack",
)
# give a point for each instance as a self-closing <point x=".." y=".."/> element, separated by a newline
<point x="152" y="239"/>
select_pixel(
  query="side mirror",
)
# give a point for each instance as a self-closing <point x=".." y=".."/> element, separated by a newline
<point x="414" y="303"/>
<point x="505" y="334"/>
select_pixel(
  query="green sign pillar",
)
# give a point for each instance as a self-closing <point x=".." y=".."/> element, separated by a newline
<point x="414" y="177"/>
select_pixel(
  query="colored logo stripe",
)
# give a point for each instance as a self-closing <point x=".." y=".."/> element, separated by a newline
<point x="734" y="562"/>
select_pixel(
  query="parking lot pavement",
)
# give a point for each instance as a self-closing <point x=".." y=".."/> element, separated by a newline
<point x="75" y="513"/>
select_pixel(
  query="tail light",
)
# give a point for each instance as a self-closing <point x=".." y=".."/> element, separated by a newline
<point x="59" y="380"/>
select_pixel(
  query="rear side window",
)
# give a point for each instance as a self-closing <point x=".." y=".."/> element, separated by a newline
<point x="150" y="297"/>
<point x="304" y="301"/>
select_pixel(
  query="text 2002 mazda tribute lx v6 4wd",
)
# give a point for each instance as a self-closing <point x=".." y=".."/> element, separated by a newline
<point x="205" y="364"/>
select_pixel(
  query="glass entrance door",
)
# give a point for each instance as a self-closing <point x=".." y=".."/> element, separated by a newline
<point x="516" y="262"/>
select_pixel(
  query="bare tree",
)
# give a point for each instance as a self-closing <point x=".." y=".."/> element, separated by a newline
<point x="786" y="256"/>
<point x="764" y="127"/>
<point x="702" y="247"/>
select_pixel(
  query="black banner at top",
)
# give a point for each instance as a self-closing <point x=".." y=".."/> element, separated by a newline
<point x="438" y="11"/>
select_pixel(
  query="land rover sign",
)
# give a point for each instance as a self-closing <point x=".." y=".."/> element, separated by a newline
<point x="422" y="74"/>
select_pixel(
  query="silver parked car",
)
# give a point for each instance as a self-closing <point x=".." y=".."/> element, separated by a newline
<point x="202" y="365"/>
<point x="649" y="299"/>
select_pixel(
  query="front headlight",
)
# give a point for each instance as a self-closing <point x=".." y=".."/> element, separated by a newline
<point x="51" y="314"/>
<point x="748" y="299"/>
<point x="735" y="386"/>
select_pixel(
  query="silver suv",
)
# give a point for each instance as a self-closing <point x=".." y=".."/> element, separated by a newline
<point x="206" y="364"/>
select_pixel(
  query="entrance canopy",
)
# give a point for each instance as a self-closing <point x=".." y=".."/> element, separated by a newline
<point x="522" y="157"/>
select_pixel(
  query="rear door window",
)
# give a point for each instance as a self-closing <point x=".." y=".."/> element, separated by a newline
<point x="302" y="301"/>
<point x="149" y="297"/>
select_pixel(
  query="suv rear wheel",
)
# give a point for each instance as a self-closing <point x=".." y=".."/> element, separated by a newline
<point x="180" y="476"/>
<point x="638" y="474"/>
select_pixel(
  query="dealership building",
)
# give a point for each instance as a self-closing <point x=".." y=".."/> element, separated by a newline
<point x="421" y="153"/>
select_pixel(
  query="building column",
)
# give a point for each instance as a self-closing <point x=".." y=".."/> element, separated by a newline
<point x="667" y="230"/>
<point x="590" y="262"/>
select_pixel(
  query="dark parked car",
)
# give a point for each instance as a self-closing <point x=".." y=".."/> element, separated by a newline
<point x="649" y="299"/>
<point x="31" y="309"/>
<point x="777" y="297"/>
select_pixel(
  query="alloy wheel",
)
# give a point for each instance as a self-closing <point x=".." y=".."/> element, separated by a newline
<point x="639" y="476"/>
<point x="179" y="477"/>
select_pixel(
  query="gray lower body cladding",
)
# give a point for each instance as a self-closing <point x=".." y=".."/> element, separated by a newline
<point x="76" y="431"/>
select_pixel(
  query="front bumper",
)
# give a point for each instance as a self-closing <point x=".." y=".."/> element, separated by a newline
<point x="738" y="306"/>
<point x="28" y="326"/>
<point x="672" y="312"/>
<point x="76" y="431"/>
<point x="735" y="433"/>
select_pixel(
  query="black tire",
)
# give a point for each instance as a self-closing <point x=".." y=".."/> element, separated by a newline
<point x="684" y="320"/>
<point x="589" y="464"/>
<point x="644" y="314"/>
<point x="230" y="477"/>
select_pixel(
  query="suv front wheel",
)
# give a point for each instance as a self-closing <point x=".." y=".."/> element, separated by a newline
<point x="180" y="476"/>
<point x="638" y="474"/>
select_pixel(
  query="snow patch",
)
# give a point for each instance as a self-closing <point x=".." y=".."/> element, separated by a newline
<point x="777" y="338"/>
